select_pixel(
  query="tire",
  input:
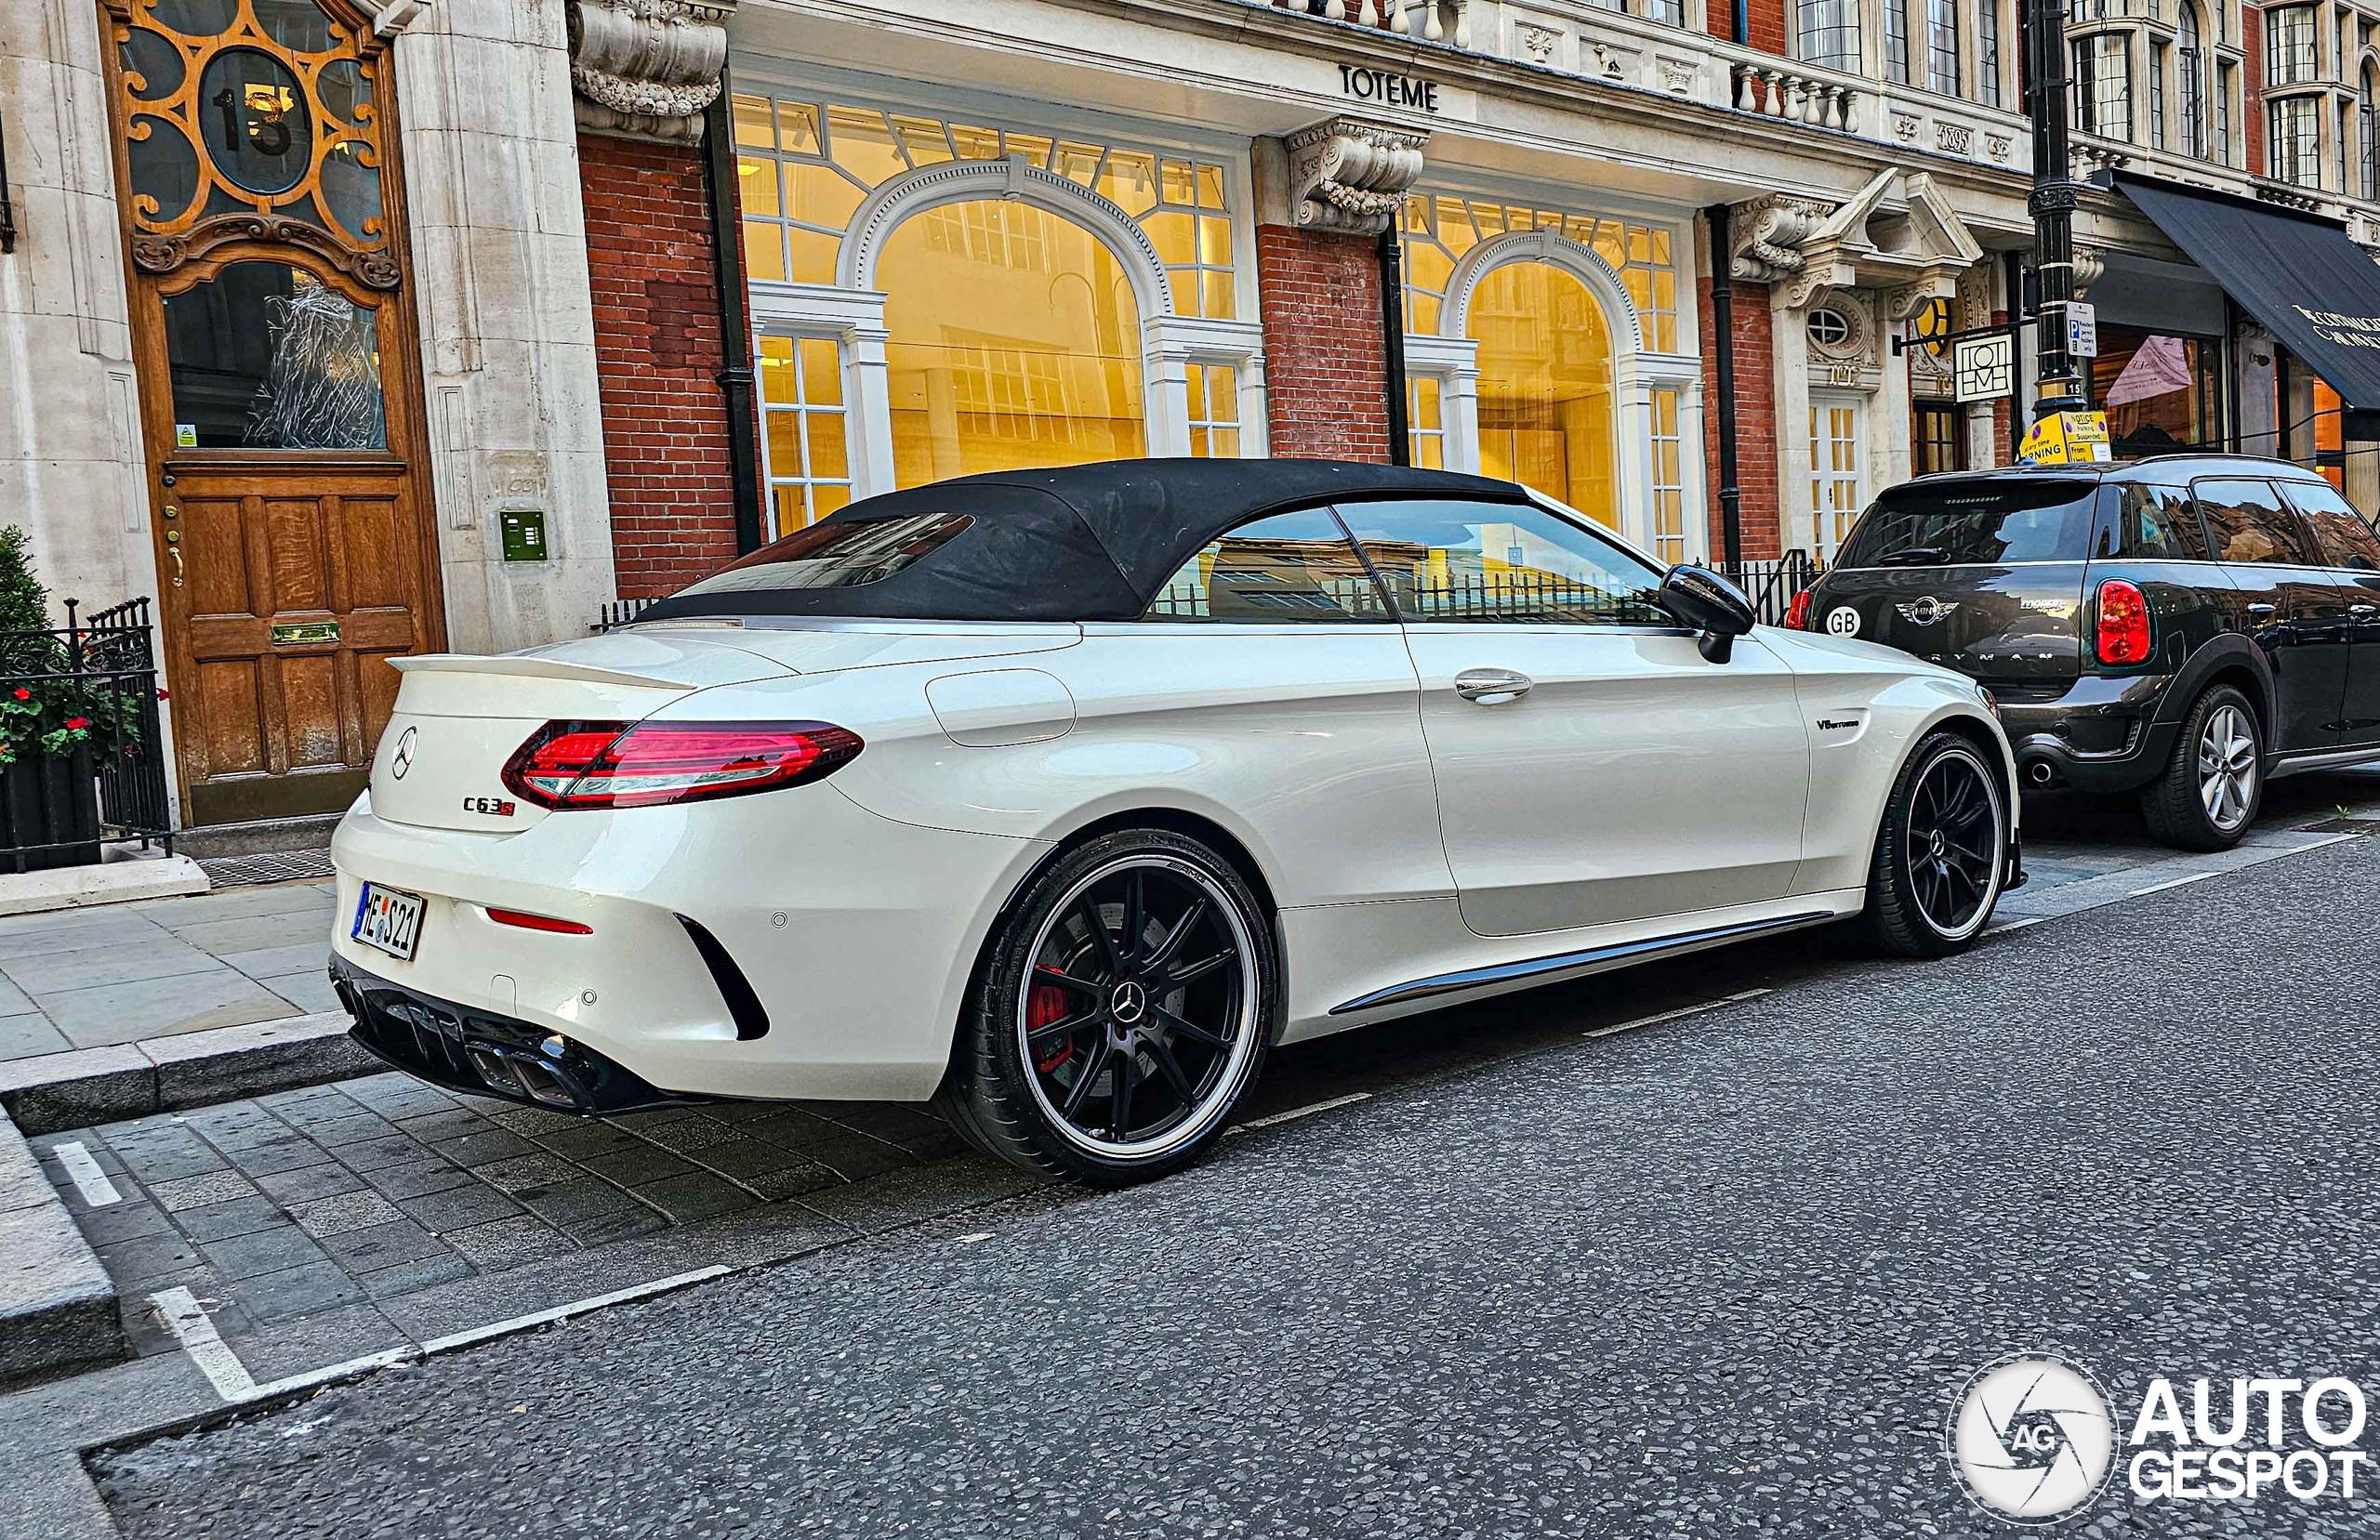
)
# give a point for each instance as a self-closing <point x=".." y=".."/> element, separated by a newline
<point x="1941" y="851"/>
<point x="2207" y="796"/>
<point x="1124" y="1004"/>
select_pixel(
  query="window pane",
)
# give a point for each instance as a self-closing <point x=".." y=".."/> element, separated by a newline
<point x="1448" y="560"/>
<point x="267" y="357"/>
<point x="1015" y="343"/>
<point x="838" y="556"/>
<point x="1952" y="523"/>
<point x="2246" y="522"/>
<point x="2347" y="540"/>
<point x="2163" y="525"/>
<point x="1287" y="568"/>
<point x="1545" y="387"/>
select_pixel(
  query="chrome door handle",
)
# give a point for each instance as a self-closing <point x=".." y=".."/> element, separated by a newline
<point x="1491" y="686"/>
<point x="2362" y="612"/>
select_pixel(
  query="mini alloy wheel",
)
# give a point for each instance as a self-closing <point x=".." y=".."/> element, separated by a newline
<point x="1126" y="1005"/>
<point x="2206" y="796"/>
<point x="1941" y="853"/>
<point x="2227" y="767"/>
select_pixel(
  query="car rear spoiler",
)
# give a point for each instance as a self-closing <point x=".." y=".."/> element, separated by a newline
<point x="530" y="669"/>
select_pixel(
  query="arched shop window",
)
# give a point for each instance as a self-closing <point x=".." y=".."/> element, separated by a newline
<point x="937" y="295"/>
<point x="1542" y="346"/>
<point x="1015" y="343"/>
<point x="1545" y="387"/>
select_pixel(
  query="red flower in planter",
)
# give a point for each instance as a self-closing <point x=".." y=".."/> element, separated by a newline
<point x="162" y="695"/>
<point x="76" y="724"/>
<point x="24" y="694"/>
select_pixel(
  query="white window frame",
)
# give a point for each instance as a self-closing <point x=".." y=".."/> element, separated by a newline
<point x="852" y="311"/>
<point x="1816" y="517"/>
<point x="1453" y="358"/>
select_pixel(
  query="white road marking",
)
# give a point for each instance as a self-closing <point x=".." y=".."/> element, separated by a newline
<point x="1300" y="1112"/>
<point x="2017" y="925"/>
<point x="182" y="1315"/>
<point x="89" y="1179"/>
<point x="1681" y="1011"/>
<point x="971" y="1240"/>
<point x="2172" y="882"/>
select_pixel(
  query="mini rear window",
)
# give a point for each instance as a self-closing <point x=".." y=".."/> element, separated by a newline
<point x="1960" y="523"/>
<point x="838" y="554"/>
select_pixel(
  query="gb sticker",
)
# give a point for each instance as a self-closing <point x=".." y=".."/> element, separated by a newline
<point x="1843" y="621"/>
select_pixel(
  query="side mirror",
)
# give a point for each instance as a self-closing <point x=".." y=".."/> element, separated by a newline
<point x="1702" y="599"/>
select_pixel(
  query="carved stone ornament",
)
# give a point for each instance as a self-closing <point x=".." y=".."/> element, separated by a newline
<point x="1350" y="177"/>
<point x="162" y="254"/>
<point x="1537" y="40"/>
<point x="2089" y="268"/>
<point x="1953" y="138"/>
<point x="1998" y="145"/>
<point x="1768" y="233"/>
<point x="647" y="69"/>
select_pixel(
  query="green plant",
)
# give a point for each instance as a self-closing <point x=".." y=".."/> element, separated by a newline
<point x="45" y="707"/>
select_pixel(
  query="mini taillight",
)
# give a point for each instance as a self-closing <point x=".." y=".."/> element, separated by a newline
<point x="1797" y="614"/>
<point x="567" y="765"/>
<point x="2123" y="623"/>
<point x="527" y="921"/>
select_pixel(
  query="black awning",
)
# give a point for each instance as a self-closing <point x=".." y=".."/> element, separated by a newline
<point x="2300" y="276"/>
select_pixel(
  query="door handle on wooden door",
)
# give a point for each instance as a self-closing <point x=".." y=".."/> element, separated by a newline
<point x="1491" y="686"/>
<point x="174" y="549"/>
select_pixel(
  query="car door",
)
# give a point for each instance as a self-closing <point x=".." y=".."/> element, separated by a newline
<point x="1590" y="766"/>
<point x="2352" y="552"/>
<point x="2285" y="601"/>
<point x="1269" y="681"/>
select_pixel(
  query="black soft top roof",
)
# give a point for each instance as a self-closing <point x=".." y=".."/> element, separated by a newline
<point x="1093" y="542"/>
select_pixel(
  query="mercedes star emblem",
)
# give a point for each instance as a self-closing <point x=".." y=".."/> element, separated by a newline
<point x="402" y="760"/>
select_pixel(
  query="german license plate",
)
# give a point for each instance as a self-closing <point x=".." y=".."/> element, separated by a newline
<point x="388" y="921"/>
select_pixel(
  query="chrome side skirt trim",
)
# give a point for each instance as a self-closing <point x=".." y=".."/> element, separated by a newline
<point x="1547" y="969"/>
<point x="2326" y="759"/>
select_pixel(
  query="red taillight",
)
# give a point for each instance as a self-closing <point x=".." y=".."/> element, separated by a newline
<point x="1797" y="614"/>
<point x="2123" y="623"/>
<point x="539" y="922"/>
<point x="567" y="765"/>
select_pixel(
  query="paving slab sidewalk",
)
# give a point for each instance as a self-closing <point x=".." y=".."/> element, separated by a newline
<point x="94" y="977"/>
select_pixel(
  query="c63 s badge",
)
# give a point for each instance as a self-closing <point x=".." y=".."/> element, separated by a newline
<point x="495" y="805"/>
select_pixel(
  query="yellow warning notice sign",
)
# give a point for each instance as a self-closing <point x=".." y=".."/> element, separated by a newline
<point x="2067" y="439"/>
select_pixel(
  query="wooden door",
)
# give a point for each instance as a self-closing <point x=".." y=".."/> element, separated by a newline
<point x="281" y="391"/>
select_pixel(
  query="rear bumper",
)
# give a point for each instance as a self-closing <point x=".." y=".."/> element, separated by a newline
<point x="482" y="1053"/>
<point x="855" y="935"/>
<point x="2102" y="735"/>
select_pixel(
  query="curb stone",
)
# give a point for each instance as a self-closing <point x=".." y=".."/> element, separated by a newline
<point x="57" y="1091"/>
<point x="58" y="1305"/>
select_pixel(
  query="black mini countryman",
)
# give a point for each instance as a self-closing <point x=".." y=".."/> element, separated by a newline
<point x="2187" y="626"/>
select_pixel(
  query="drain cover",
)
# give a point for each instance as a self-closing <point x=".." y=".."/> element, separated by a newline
<point x="278" y="866"/>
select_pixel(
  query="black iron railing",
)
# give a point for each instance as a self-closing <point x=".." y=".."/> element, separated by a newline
<point x="86" y="752"/>
<point x="617" y="612"/>
<point x="1772" y="585"/>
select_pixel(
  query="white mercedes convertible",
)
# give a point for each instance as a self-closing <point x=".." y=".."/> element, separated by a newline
<point x="1058" y="798"/>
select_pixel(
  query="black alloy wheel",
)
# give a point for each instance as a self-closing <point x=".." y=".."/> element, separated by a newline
<point x="1942" y="852"/>
<point x="1126" y="1003"/>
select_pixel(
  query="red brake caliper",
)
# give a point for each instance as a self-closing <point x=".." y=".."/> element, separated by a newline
<point x="1043" y="1005"/>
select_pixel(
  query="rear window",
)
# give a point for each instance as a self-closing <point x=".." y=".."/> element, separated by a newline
<point x="839" y="554"/>
<point x="1952" y="523"/>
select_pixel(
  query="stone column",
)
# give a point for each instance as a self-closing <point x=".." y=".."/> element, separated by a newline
<point x="500" y="289"/>
<point x="2252" y="353"/>
<point x="73" y="473"/>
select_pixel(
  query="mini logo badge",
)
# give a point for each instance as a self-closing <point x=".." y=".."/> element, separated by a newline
<point x="1843" y="621"/>
<point x="2031" y="1438"/>
<point x="402" y="760"/>
<point x="1926" y="610"/>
